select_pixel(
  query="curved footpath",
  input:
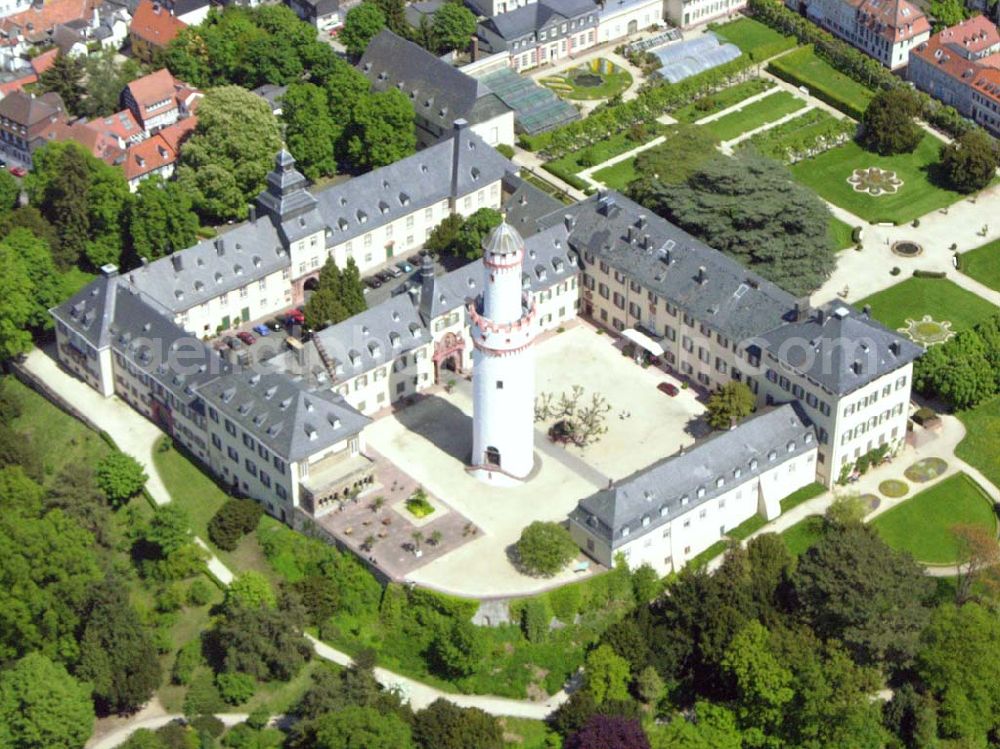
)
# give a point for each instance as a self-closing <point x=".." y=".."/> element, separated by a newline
<point x="138" y="437"/>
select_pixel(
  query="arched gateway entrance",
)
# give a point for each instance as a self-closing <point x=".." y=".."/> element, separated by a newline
<point x="448" y="356"/>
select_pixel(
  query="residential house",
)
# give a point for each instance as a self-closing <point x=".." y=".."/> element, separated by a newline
<point x="323" y="14"/>
<point x="153" y="28"/>
<point x="149" y="157"/>
<point x="158" y="100"/>
<point x="122" y="125"/>
<point x="36" y="24"/>
<point x="439" y="92"/>
<point x="885" y="29"/>
<point x="960" y="66"/>
<point x="27" y="122"/>
<point x="541" y="33"/>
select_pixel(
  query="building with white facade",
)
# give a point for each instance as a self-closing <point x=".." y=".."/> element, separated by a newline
<point x="688" y="13"/>
<point x="540" y="33"/>
<point x="670" y="512"/>
<point x="885" y="29"/>
<point x="502" y="318"/>
<point x="620" y="18"/>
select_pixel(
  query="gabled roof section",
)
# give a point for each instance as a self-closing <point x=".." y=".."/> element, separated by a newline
<point x="28" y="109"/>
<point x="839" y="348"/>
<point x="677" y="485"/>
<point x="153" y="89"/>
<point x="712" y="287"/>
<point x="439" y="92"/>
<point x="154" y="24"/>
<point x="147" y="156"/>
<point x="280" y="412"/>
<point x="89" y="312"/>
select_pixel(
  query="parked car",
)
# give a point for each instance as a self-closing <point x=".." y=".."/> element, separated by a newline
<point x="372" y="282"/>
<point x="246" y="337"/>
<point x="669" y="388"/>
<point x="384" y="276"/>
<point x="295" y="317"/>
<point x="415" y="259"/>
<point x="233" y="343"/>
<point x="275" y="324"/>
<point x="393" y="271"/>
<point x="262" y="330"/>
<point x="404" y="266"/>
<point x="18" y="171"/>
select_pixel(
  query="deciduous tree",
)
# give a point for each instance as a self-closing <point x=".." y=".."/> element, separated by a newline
<point x="361" y="24"/>
<point x="250" y="589"/>
<point x="120" y="477"/>
<point x="452" y="28"/>
<point x="161" y="219"/>
<point x="443" y="725"/>
<point x="970" y="162"/>
<point x="609" y="732"/>
<point x="43" y="707"/>
<point x="888" y="125"/>
<point x="362" y="728"/>
<point x="607" y="674"/>
<point x="382" y="130"/>
<point x="311" y="133"/>
<point x="545" y="548"/>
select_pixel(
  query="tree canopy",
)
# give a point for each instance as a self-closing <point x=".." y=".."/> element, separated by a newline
<point x="311" y="132"/>
<point x="730" y="404"/>
<point x="970" y="162"/>
<point x="452" y="28"/>
<point x="226" y="159"/>
<point x="339" y="295"/>
<point x="382" y="130"/>
<point x="750" y="208"/>
<point x="545" y="548"/>
<point x="888" y="125"/>
<point x="161" y="219"/>
<point x="43" y="707"/>
<point x="361" y="23"/>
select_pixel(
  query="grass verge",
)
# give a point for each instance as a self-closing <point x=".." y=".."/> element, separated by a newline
<point x="938" y="297"/>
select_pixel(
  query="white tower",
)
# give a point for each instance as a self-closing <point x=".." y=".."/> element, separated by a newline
<point x="503" y="364"/>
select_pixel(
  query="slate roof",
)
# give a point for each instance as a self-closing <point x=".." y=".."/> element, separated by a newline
<point x="281" y="413"/>
<point x="190" y="277"/>
<point x="272" y="94"/>
<point x="730" y="299"/>
<point x="839" y="347"/>
<point x="439" y="92"/>
<point x="529" y="19"/>
<point x="288" y="202"/>
<point x="679" y="484"/>
<point x="526" y="204"/>
<point x="88" y="313"/>
<point x="453" y="167"/>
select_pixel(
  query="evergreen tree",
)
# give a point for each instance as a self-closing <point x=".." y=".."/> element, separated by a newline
<point x="729" y="405"/>
<point x="117" y="655"/>
<point x="65" y="78"/>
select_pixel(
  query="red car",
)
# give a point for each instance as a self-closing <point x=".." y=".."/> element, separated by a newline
<point x="246" y="337"/>
<point x="668" y="388"/>
<point x="296" y="317"/>
<point x="18" y="171"/>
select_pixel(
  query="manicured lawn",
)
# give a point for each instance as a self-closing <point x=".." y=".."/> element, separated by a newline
<point x="598" y="153"/>
<point x="525" y="733"/>
<point x="803" y="534"/>
<point x="981" y="446"/>
<point x="618" y="176"/>
<point x="938" y="297"/>
<point x="201" y="497"/>
<point x="840" y="234"/>
<point x="581" y="83"/>
<point x="827" y="175"/>
<point x="721" y="100"/>
<point x="983" y="264"/>
<point x="922" y="525"/>
<point x="802" y="495"/>
<point x="754" y="38"/>
<point x="744" y="529"/>
<point x="803" y="67"/>
<point x="57" y="438"/>
<point x="754" y="115"/>
<point x="700" y="560"/>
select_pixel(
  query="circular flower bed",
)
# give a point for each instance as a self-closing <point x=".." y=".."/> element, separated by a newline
<point x="871" y="501"/>
<point x="894" y="488"/>
<point x="926" y="469"/>
<point x="875" y="181"/>
<point x="927" y="331"/>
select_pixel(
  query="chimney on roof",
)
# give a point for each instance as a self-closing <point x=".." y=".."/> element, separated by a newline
<point x="252" y="213"/>
<point x="110" y="270"/>
<point x="702" y="276"/>
<point x="460" y="136"/>
<point x="220" y="246"/>
<point x="144" y="261"/>
<point x="820" y="316"/>
<point x="177" y="261"/>
<point x="802" y="309"/>
<point x="569" y="221"/>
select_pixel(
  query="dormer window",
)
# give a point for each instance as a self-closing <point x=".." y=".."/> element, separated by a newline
<point x="625" y="531"/>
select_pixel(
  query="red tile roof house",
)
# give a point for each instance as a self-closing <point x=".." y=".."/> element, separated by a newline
<point x="158" y="100"/>
<point x="37" y="23"/>
<point x="153" y="28"/>
<point x="27" y="122"/>
<point x="152" y="156"/>
<point x="961" y="67"/>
